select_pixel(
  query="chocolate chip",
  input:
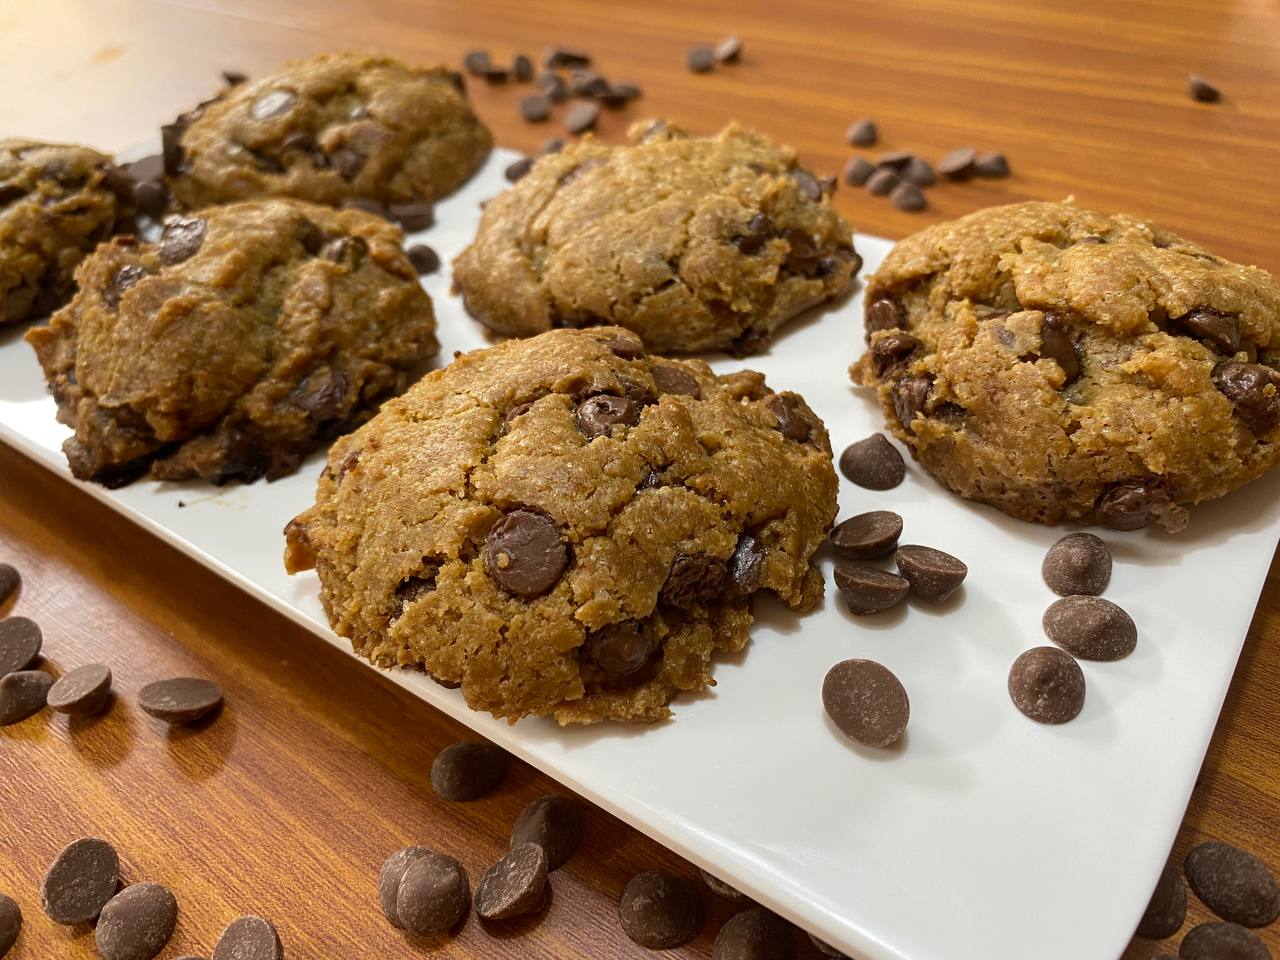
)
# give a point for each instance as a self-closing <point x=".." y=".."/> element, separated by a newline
<point x="807" y="183"/>
<point x="347" y="162"/>
<point x="180" y="700"/>
<point x="869" y="589"/>
<point x="1078" y="564"/>
<point x="1047" y="685"/>
<point x="414" y="215"/>
<point x="625" y="345"/>
<point x="514" y="886"/>
<point x="694" y="578"/>
<point x="181" y="239"/>
<point x="671" y="379"/>
<point x="389" y="877"/>
<point x="149" y="168"/>
<point x="865" y="702"/>
<point x="153" y="198"/>
<point x="535" y="108"/>
<point x="581" y="117"/>
<point x="522" y="68"/>
<point x="82" y="692"/>
<point x="792" y="421"/>
<point x="722" y="889"/>
<point x="1233" y="883"/>
<point x="867" y="536"/>
<point x="299" y="140"/>
<point x="424" y="259"/>
<point x="553" y="823"/>
<point x="80" y="881"/>
<point x="933" y="575"/>
<point x="619" y="94"/>
<point x="468" y="770"/>
<point x="587" y="83"/>
<point x="991" y="165"/>
<point x="518" y="169"/>
<point x="746" y="566"/>
<point x="171" y="148"/>
<point x="910" y="394"/>
<point x="597" y="416"/>
<point x="1167" y="908"/>
<point x="124" y="278"/>
<point x="758" y="231"/>
<point x="310" y="236"/>
<point x="564" y="57"/>
<point x="856" y="171"/>
<point x="347" y="251"/>
<point x="234" y="78"/>
<point x="1056" y="345"/>
<point x="873" y="463"/>
<point x="323" y="394"/>
<point x="881" y="181"/>
<point x="10" y="923"/>
<point x="1222" y="330"/>
<point x="1222" y="941"/>
<point x="883" y="314"/>
<point x="888" y="352"/>
<point x="895" y="160"/>
<point x="432" y="894"/>
<point x="958" y="164"/>
<point x="700" y="59"/>
<point x="660" y="911"/>
<point x="754" y="934"/>
<point x="10" y="579"/>
<point x="23" y="694"/>
<point x="476" y="62"/>
<point x="136" y="923"/>
<point x="826" y="949"/>
<point x="554" y="87"/>
<point x="862" y="133"/>
<point x="1090" y="628"/>
<point x="729" y="50"/>
<point x="368" y="206"/>
<point x="1202" y="90"/>
<point x="554" y="145"/>
<point x="249" y="938"/>
<point x="620" y="649"/>
<point x="1131" y="506"/>
<point x="1254" y="390"/>
<point x="20" y="642"/>
<point x="918" y="172"/>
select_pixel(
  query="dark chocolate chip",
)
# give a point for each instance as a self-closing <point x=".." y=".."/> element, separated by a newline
<point x="23" y="694"/>
<point x="873" y="463"/>
<point x="1056" y="345"/>
<point x="249" y="938"/>
<point x="347" y="162"/>
<point x="869" y="589"/>
<point x="554" y="145"/>
<point x="881" y="182"/>
<point x="619" y="95"/>
<point x="1222" y="330"/>
<point x="991" y="165"/>
<point x="234" y="78"/>
<point x="171" y="148"/>
<point x="20" y="642"/>
<point x="347" y="251"/>
<point x="907" y="197"/>
<point x="310" y="236"/>
<point x="82" y="692"/>
<point x="414" y="215"/>
<point x="153" y="198"/>
<point x="917" y="171"/>
<point x="910" y="394"/>
<point x="867" y="536"/>
<point x="625" y="345"/>
<point x="553" y="823"/>
<point x="389" y="877"/>
<point x="958" y="164"/>
<point x="587" y="83"/>
<point x="180" y="700"/>
<point x="791" y="413"/>
<point x="883" y="314"/>
<point x="553" y="86"/>
<point x="1233" y="883"/>
<point x="476" y="62"/>
<point x="700" y="59"/>
<point x="9" y="581"/>
<point x="535" y="108"/>
<point x="518" y="169"/>
<point x="273" y="103"/>
<point x="80" y="881"/>
<point x="672" y="379"/>
<point x="181" y="239"/>
<point x="754" y="934"/>
<point x="1167" y="908"/>
<point x="895" y="160"/>
<point x="433" y="893"/>
<point x="147" y="169"/>
<point x="514" y="886"/>
<point x="323" y="394"/>
<point x="137" y="922"/>
<point x="1079" y="564"/>
<point x="298" y="140"/>
<point x="1047" y="685"/>
<point x="1222" y="941"/>
<point x="581" y="117"/>
<point x="1090" y="628"/>
<point x="866" y="702"/>
<point x="889" y="352"/>
<point x="1131" y="506"/>
<point x="933" y="575"/>
<point x="729" y="50"/>
<point x="807" y="183"/>
<point x="565" y="57"/>
<point x="856" y="171"/>
<point x="620" y="649"/>
<point x="10" y="923"/>
<point x="424" y="259"/>
<point x="1254" y="390"/>
<point x="124" y="278"/>
<point x="722" y="889"/>
<point x="758" y="232"/>
<point x="746" y="566"/>
<point x="522" y="68"/>
<point x="694" y="578"/>
<point x="862" y="133"/>
<point x="1202" y="90"/>
<point x="468" y="770"/>
<point x="597" y="416"/>
<point x="660" y="911"/>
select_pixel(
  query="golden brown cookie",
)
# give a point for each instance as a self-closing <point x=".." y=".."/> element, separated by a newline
<point x="693" y="243"/>
<point x="232" y="347"/>
<point x="566" y="526"/>
<point x="1065" y="365"/>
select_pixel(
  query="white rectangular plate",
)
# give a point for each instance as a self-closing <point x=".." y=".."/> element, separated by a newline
<point x="983" y="836"/>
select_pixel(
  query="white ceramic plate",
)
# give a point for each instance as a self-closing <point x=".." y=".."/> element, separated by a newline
<point x="984" y="836"/>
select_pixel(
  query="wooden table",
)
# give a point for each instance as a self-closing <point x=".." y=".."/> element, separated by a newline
<point x="287" y="804"/>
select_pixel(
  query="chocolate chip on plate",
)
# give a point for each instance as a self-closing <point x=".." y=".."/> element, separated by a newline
<point x="424" y="258"/>
<point x="1222" y="941"/>
<point x="249" y="938"/>
<point x="1167" y="908"/>
<point x="991" y="165"/>
<point x="867" y="536"/>
<point x="10" y="923"/>
<point x="414" y="215"/>
<point x="824" y="948"/>
<point x="20" y="642"/>
<point x="1233" y="883"/>
<point x="660" y="911"/>
<point x="554" y="823"/>
<point x="701" y="58"/>
<point x="1079" y="564"/>
<point x="866" y="702"/>
<point x="856" y="171"/>
<point x="23" y="694"/>
<point x="468" y="770"/>
<point x="958" y="164"/>
<point x="80" y="881"/>
<point x="729" y="50"/>
<point x="514" y="886"/>
<point x="722" y="889"/>
<point x="9" y="580"/>
<point x="862" y="133"/>
<point x="1047" y="685"/>
<point x="181" y="239"/>
<point x="137" y="922"/>
<point x="581" y="117"/>
<point x="524" y="553"/>
<point x="180" y="700"/>
<point x="869" y="589"/>
<point x="933" y="575"/>
<point x="907" y="197"/>
<point x="881" y="181"/>
<point x="432" y="894"/>
<point x="873" y="463"/>
<point x="753" y="934"/>
<point x="1090" y="628"/>
<point x="535" y="108"/>
<point x="1202" y="90"/>
<point x="518" y="169"/>
<point x="82" y="692"/>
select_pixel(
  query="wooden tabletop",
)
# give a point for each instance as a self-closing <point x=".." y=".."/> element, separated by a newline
<point x="286" y="804"/>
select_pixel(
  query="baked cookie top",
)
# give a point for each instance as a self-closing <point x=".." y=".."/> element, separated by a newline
<point x="235" y="344"/>
<point x="1062" y="364"/>
<point x="694" y="243"/>
<point x="328" y="129"/>
<point x="57" y="202"/>
<point x="566" y="526"/>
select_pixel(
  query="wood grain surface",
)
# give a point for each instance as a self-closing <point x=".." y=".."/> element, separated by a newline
<point x="288" y="801"/>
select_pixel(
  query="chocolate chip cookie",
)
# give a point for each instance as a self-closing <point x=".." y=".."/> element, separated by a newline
<point x="57" y="202"/>
<point x="693" y="243"/>
<point x="1065" y="365"/>
<point x="566" y="526"/>
<point x="329" y="129"/>
<point x="231" y="347"/>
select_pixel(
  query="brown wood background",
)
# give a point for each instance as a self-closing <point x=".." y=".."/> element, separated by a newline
<point x="288" y="802"/>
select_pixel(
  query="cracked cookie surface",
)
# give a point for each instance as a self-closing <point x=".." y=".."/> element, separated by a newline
<point x="57" y="202"/>
<point x="329" y="129"/>
<point x="1065" y="365"/>
<point x="693" y="243"/>
<point x="566" y="526"/>
<point x="238" y="342"/>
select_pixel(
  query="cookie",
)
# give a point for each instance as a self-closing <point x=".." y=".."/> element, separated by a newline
<point x="234" y="345"/>
<point x="567" y="526"/>
<point x="57" y="202"/>
<point x="1060" y="364"/>
<point x="693" y="243"/>
<point x="329" y="129"/>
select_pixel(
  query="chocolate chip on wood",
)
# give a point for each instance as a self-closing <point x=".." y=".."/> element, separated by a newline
<point x="1233" y="883"/>
<point x="873" y="463"/>
<point x="1167" y="908"/>
<point x="869" y="589"/>
<point x="660" y="911"/>
<point x="582" y="117"/>
<point x="958" y="164"/>
<point x="701" y="59"/>
<point x="468" y="770"/>
<point x="535" y="108"/>
<point x="9" y="580"/>
<point x="1047" y="685"/>
<point x="934" y="576"/>
<point x="80" y="881"/>
<point x="881" y="181"/>
<point x="907" y="197"/>
<point x="729" y="50"/>
<point x="137" y="922"/>
<point x="10" y="923"/>
<point x="1222" y="941"/>
<point x="565" y="57"/>
<point x="477" y="62"/>
<point x="1090" y="628"/>
<point x="862" y="133"/>
<point x="866" y="702"/>
<point x="1078" y="564"/>
<point x="856" y="171"/>
<point x="991" y="165"/>
<point x="433" y="894"/>
<point x="522" y="68"/>
<point x="514" y="886"/>
<point x="82" y="692"/>
<point x="20" y="643"/>
<point x="180" y="700"/>
<point x="249" y="938"/>
<point x="753" y="934"/>
<point x="23" y="694"/>
<point x="722" y="889"/>
<point x="1202" y="90"/>
<point x="917" y="171"/>
<point x="389" y="877"/>
<point x="553" y="823"/>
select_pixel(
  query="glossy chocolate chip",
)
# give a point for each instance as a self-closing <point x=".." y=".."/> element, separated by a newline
<point x="746" y="566"/>
<point x="1254" y="390"/>
<point x="9" y="581"/>
<point x="1222" y="330"/>
<point x="1056" y="345"/>
<point x="468" y="770"/>
<point x="23" y="694"/>
<point x="80" y="881"/>
<point x="518" y="169"/>
<point x="620" y="649"/>
<point x="137" y="922"/>
<point x="890" y="350"/>
<point x="867" y="536"/>
<point x="514" y="886"/>
<point x="754" y="934"/>
<point x="249" y="938"/>
<point x="10" y="923"/>
<point x="433" y="893"/>
<point x="722" y="889"/>
<point x="1167" y="908"/>
<point x="153" y="198"/>
<point x="180" y="700"/>
<point x="82" y="692"/>
<point x="124" y="278"/>
<point x="1047" y="685"/>
<point x="272" y="103"/>
<point x="424" y="259"/>
<point x="553" y="823"/>
<point x="873" y="463"/>
<point x="1090" y="628"/>
<point x="883" y="314"/>
<point x="660" y="911"/>
<point x="869" y="589"/>
<point x="671" y="379"/>
<point x="1131" y="506"/>
<point x="910" y="394"/>
<point x="729" y="50"/>
<point x="597" y="416"/>
<point x="323" y="394"/>
<point x="20" y="643"/>
<point x="181" y="239"/>
<point x="1222" y="941"/>
<point x="1079" y="564"/>
<point x="866" y="702"/>
<point x="694" y="578"/>
<point x="790" y="411"/>
<point x="1235" y="884"/>
<point x="933" y="575"/>
<point x="918" y="172"/>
